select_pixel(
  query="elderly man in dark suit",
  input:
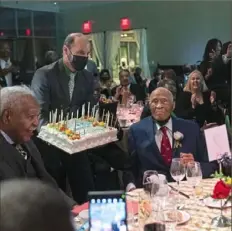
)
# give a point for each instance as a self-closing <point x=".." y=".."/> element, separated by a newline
<point x="19" y="157"/>
<point x="152" y="141"/>
<point x="66" y="85"/>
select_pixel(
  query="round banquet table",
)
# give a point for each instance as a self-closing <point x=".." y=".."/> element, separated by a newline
<point x="201" y="215"/>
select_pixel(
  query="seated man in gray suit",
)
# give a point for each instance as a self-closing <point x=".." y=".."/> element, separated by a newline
<point x="66" y="85"/>
<point x="19" y="157"/>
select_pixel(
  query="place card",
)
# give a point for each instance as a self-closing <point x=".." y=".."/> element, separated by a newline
<point x="217" y="142"/>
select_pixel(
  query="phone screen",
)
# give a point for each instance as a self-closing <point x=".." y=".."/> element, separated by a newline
<point x="107" y="211"/>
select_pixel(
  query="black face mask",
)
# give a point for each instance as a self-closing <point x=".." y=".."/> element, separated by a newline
<point x="79" y="62"/>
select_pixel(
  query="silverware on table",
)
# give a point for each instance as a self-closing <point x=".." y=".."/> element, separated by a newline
<point x="181" y="193"/>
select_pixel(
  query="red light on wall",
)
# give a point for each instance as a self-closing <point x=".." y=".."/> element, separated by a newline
<point x="1" y="33"/>
<point x="28" y="32"/>
<point x="125" y="24"/>
<point x="87" y="27"/>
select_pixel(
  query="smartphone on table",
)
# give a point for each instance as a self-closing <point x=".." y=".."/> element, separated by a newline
<point x="107" y="211"/>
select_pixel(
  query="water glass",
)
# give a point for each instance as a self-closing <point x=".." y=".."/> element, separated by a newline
<point x="194" y="175"/>
<point x="150" y="182"/>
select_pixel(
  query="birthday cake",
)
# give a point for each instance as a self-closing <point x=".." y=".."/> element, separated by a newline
<point x="77" y="135"/>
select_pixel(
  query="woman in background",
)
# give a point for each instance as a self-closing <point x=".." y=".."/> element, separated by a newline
<point x="106" y="83"/>
<point x="212" y="64"/>
<point x="197" y="103"/>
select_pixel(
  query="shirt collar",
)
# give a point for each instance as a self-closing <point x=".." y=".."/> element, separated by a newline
<point x="168" y="125"/>
<point x="7" y="138"/>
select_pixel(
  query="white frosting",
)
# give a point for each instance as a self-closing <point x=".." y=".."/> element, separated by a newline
<point x="93" y="137"/>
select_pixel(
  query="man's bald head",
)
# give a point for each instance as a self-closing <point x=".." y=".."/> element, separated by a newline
<point x="75" y="51"/>
<point x="71" y="39"/>
<point x="162" y="91"/>
<point x="161" y="103"/>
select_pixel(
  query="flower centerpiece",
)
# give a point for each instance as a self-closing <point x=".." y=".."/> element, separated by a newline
<point x="222" y="192"/>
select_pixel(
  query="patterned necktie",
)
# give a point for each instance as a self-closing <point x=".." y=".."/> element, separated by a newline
<point x="23" y="153"/>
<point x="166" y="149"/>
<point x="71" y="84"/>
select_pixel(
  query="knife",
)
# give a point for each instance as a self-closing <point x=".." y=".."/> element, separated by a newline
<point x="181" y="193"/>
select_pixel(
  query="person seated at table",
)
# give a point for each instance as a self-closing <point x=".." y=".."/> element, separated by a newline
<point x="126" y="90"/>
<point x="166" y="83"/>
<point x="197" y="103"/>
<point x="29" y="205"/>
<point x="106" y="83"/>
<point x="19" y="118"/>
<point x="152" y="142"/>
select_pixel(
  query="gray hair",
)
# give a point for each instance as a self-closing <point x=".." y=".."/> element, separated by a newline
<point x="170" y="85"/>
<point x="33" y="205"/>
<point x="10" y="96"/>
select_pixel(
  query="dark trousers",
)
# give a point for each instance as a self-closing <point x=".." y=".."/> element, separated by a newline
<point x="76" y="167"/>
<point x="80" y="177"/>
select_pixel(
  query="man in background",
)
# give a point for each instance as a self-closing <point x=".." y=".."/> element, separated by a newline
<point x="8" y="71"/>
<point x="91" y="65"/>
<point x="29" y="205"/>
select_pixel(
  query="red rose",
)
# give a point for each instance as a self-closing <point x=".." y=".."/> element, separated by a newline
<point x="221" y="190"/>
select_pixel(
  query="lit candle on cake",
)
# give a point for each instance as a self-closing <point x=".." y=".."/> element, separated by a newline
<point x="112" y="119"/>
<point x="50" y="117"/>
<point x="108" y="119"/>
<point x="88" y="108"/>
<point x="55" y="116"/>
<point x="72" y="115"/>
<point x="93" y="111"/>
<point x="62" y="115"/>
<point x="103" y="114"/>
<point x="97" y="115"/>
<point x="67" y="116"/>
<point x="83" y="111"/>
<point x="77" y="113"/>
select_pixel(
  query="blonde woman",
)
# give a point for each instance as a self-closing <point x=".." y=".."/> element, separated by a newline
<point x="197" y="103"/>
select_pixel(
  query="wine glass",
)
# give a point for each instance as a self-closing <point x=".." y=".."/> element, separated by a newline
<point x="150" y="182"/>
<point x="194" y="175"/>
<point x="177" y="171"/>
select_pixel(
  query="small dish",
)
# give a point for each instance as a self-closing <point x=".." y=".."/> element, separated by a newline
<point x="84" y="214"/>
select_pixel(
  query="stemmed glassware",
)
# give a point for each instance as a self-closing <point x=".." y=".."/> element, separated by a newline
<point x="177" y="171"/>
<point x="150" y="182"/>
<point x="194" y="175"/>
<point x="151" y="187"/>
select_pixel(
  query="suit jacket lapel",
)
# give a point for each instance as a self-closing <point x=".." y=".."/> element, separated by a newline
<point x="175" y="128"/>
<point x="63" y="79"/>
<point x="11" y="156"/>
<point x="151" y="131"/>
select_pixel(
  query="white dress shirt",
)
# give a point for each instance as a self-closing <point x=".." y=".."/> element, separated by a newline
<point x="158" y="140"/>
<point x="6" y="64"/>
<point x="159" y="133"/>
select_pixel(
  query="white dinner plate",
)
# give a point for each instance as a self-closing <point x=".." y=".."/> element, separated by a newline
<point x="84" y="214"/>
<point x="185" y="217"/>
<point x="213" y="203"/>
